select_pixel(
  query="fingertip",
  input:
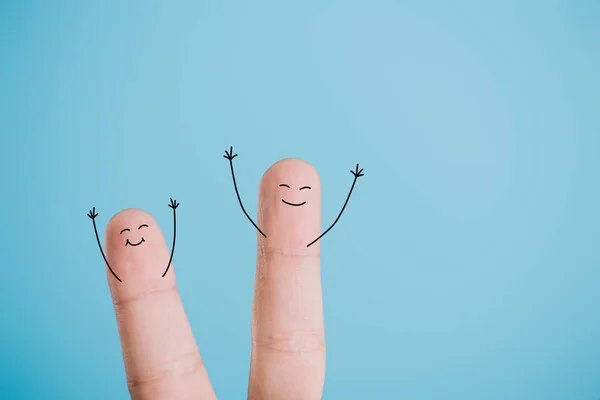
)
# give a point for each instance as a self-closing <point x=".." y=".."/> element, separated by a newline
<point x="293" y="167"/>
<point x="125" y="217"/>
<point x="135" y="246"/>
<point x="291" y="217"/>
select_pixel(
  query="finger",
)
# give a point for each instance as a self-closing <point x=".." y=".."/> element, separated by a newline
<point x="288" y="339"/>
<point x="161" y="358"/>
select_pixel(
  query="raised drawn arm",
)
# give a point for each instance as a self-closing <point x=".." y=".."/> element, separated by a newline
<point x="230" y="156"/>
<point x="93" y="214"/>
<point x="356" y="174"/>
<point x="174" y="204"/>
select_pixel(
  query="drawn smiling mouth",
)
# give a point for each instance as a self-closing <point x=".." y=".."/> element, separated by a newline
<point x="137" y="244"/>
<point x="292" y="204"/>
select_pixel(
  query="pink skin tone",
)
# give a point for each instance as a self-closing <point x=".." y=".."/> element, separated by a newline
<point x="161" y="358"/>
<point x="160" y="354"/>
<point x="290" y="228"/>
<point x="288" y="337"/>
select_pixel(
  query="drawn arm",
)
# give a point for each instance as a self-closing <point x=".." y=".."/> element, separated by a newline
<point x="174" y="204"/>
<point x="93" y="214"/>
<point x="356" y="174"/>
<point x="230" y="156"/>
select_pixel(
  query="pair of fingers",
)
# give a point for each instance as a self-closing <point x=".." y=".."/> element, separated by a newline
<point x="162" y="360"/>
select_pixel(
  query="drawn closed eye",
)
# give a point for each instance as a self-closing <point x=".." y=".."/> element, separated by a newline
<point x="305" y="187"/>
<point x="143" y="225"/>
<point x="283" y="184"/>
<point x="123" y="230"/>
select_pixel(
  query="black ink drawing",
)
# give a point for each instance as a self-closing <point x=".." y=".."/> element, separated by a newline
<point x="357" y="173"/>
<point x="93" y="214"/>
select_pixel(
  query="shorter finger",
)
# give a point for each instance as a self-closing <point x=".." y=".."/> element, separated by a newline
<point x="161" y="358"/>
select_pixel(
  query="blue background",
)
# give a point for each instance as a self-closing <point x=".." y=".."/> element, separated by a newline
<point x="466" y="265"/>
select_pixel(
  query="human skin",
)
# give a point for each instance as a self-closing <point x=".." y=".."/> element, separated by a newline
<point x="160" y="354"/>
<point x="161" y="358"/>
<point x="288" y="337"/>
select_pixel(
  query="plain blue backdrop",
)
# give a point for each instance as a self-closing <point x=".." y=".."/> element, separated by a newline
<point x="466" y="265"/>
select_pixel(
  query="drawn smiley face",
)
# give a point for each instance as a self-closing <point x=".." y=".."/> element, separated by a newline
<point x="127" y="242"/>
<point x="289" y="206"/>
<point x="294" y="204"/>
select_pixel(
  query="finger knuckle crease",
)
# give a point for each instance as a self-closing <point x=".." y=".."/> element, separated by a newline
<point x="122" y="302"/>
<point x="179" y="367"/>
<point x="288" y="253"/>
<point x="292" y="342"/>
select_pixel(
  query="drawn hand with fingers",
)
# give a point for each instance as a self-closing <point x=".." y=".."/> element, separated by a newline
<point x="174" y="204"/>
<point x="357" y="173"/>
<point x="229" y="154"/>
<point x="93" y="214"/>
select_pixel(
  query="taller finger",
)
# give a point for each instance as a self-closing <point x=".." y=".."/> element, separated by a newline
<point x="288" y="339"/>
